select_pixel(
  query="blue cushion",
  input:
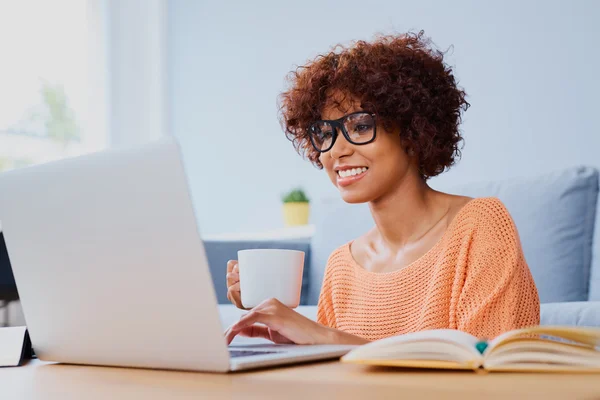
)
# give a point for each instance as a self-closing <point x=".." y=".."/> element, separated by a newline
<point x="554" y="214"/>
<point x="579" y="313"/>
<point x="594" y="294"/>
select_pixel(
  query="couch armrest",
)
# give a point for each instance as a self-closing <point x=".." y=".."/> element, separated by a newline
<point x="578" y="313"/>
<point x="219" y="252"/>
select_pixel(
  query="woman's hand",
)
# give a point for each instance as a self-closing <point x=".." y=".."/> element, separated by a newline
<point x="280" y="324"/>
<point x="233" y="284"/>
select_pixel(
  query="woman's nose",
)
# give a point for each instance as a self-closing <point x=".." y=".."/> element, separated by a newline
<point x="341" y="147"/>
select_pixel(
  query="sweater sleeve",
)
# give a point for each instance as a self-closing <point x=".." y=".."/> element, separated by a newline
<point x="325" y="314"/>
<point x="499" y="293"/>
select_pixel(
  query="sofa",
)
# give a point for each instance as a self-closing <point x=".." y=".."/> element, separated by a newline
<point x="555" y="214"/>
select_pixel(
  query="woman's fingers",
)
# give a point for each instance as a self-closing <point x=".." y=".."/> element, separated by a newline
<point x="258" y="331"/>
<point x="233" y="284"/>
<point x="255" y="331"/>
<point x="248" y="320"/>
<point x="233" y="274"/>
<point x="234" y="295"/>
<point x="230" y="265"/>
<point x="235" y="287"/>
<point x="232" y="278"/>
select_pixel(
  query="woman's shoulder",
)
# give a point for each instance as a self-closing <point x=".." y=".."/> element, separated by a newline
<point x="489" y="216"/>
<point x="483" y="209"/>
<point x="341" y="254"/>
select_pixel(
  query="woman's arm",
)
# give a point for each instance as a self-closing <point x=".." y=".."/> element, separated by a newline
<point x="498" y="293"/>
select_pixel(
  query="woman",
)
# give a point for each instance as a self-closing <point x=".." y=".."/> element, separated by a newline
<point x="382" y="118"/>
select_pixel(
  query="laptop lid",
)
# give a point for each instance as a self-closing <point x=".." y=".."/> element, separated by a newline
<point x="109" y="263"/>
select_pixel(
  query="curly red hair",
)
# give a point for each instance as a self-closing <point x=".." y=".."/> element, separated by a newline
<point x="399" y="78"/>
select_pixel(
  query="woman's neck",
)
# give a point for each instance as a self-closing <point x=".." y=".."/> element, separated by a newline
<point x="408" y="213"/>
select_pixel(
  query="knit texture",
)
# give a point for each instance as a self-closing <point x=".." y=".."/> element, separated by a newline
<point x="474" y="279"/>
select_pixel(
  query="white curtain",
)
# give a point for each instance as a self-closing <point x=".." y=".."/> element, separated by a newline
<point x="128" y="60"/>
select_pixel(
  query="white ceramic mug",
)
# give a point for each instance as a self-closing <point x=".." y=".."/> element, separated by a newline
<point x="270" y="273"/>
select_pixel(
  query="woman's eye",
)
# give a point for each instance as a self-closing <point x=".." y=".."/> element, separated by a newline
<point x="362" y="128"/>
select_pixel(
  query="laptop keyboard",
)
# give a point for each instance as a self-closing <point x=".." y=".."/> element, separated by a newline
<point x="246" y="353"/>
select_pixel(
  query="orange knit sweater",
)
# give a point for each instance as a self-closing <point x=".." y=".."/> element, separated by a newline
<point x="474" y="279"/>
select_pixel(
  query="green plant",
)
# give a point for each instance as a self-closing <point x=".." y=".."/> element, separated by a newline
<point x="56" y="114"/>
<point x="295" y="196"/>
<point x="60" y="125"/>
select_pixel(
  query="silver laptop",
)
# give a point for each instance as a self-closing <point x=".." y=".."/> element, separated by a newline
<point x="111" y="269"/>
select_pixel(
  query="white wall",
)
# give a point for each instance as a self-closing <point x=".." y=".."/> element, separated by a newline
<point x="530" y="69"/>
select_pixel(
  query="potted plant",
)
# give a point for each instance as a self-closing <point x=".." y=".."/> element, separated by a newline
<point x="295" y="208"/>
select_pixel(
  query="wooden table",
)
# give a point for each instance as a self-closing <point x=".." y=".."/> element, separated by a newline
<point x="38" y="380"/>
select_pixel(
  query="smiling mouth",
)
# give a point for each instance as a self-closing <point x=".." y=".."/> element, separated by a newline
<point x="347" y="173"/>
<point x="348" y="177"/>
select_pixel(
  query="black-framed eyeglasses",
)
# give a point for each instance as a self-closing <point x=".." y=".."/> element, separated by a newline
<point x="358" y="128"/>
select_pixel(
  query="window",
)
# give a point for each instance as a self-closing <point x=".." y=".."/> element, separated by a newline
<point x="44" y="81"/>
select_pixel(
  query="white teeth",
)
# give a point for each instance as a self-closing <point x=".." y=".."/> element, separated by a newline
<point x="351" y="172"/>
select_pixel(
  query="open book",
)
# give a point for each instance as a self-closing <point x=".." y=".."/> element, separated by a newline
<point x="540" y="348"/>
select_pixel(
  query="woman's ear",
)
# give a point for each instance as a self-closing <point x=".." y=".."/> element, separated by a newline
<point x="407" y="148"/>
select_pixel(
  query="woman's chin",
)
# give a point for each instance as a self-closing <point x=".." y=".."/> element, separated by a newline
<point x="354" y="196"/>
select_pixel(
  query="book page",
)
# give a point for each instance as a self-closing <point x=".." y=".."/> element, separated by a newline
<point x="585" y="336"/>
<point x="540" y="360"/>
<point x="11" y="345"/>
<point x="431" y="345"/>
